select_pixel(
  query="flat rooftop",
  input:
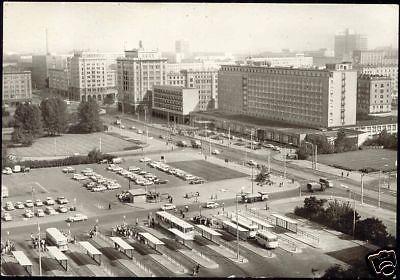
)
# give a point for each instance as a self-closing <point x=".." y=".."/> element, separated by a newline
<point x="378" y="120"/>
<point x="262" y="123"/>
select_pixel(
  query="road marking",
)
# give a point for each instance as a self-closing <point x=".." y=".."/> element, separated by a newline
<point x="40" y="186"/>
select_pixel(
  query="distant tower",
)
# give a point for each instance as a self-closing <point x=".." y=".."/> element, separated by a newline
<point x="140" y="44"/>
<point x="47" y="43"/>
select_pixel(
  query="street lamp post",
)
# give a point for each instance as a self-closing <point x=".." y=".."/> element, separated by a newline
<point x="252" y="180"/>
<point x="379" y="189"/>
<point x="237" y="228"/>
<point x="269" y="161"/>
<point x="362" y="188"/>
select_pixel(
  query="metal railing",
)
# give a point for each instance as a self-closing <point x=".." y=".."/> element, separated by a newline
<point x="314" y="239"/>
<point x="287" y="243"/>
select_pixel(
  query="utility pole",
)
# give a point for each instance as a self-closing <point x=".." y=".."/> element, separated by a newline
<point x="379" y="189"/>
<point x="269" y="161"/>
<point x="316" y="153"/>
<point x="354" y="217"/>
<point x="55" y="146"/>
<point x="362" y="188"/>
<point x="100" y="143"/>
<point x="229" y="136"/>
<point x="252" y="181"/>
<point x="40" y="251"/>
<point x="284" y="168"/>
<point x="237" y="227"/>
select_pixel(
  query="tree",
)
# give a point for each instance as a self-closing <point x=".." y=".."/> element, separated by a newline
<point x="263" y="176"/>
<point x="54" y="112"/>
<point x="89" y="118"/>
<point x="323" y="146"/>
<point x="95" y="155"/>
<point x="340" y="216"/>
<point x="302" y="152"/>
<point x="22" y="137"/>
<point x="28" y="117"/>
<point x="372" y="229"/>
<point x="359" y="270"/>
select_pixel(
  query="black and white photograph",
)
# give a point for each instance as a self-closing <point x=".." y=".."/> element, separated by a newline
<point x="211" y="140"/>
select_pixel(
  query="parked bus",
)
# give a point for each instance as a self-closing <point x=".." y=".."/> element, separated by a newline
<point x="267" y="239"/>
<point x="167" y="221"/>
<point x="55" y="237"/>
<point x="326" y="182"/>
<point x="233" y="229"/>
<point x="250" y="198"/>
<point x="246" y="224"/>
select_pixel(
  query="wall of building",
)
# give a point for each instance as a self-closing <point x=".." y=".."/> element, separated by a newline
<point x="17" y="87"/>
<point x="389" y="71"/>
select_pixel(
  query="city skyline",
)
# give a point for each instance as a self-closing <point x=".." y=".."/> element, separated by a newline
<point x="204" y="26"/>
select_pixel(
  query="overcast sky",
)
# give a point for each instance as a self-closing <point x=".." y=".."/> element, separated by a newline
<point x="208" y="27"/>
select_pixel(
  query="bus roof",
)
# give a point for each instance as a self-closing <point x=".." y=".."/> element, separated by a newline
<point x="56" y="234"/>
<point x="228" y="223"/>
<point x="267" y="234"/>
<point x="174" y="219"/>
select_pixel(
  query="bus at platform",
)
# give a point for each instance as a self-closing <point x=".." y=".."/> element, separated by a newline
<point x="167" y="221"/>
<point x="267" y="239"/>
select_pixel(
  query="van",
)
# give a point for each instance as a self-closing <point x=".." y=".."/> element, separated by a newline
<point x="313" y="186"/>
<point x="117" y="160"/>
<point x="326" y="182"/>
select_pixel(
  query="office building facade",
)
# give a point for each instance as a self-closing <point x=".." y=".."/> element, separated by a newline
<point x="59" y="82"/>
<point x="91" y="77"/>
<point x="348" y="41"/>
<point x="17" y="86"/>
<point x="137" y="73"/>
<point x="40" y="66"/>
<point x="374" y="94"/>
<point x="174" y="103"/>
<point x="305" y="97"/>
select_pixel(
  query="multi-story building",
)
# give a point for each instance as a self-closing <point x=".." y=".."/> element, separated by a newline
<point x="17" y="86"/>
<point x="91" y="77"/>
<point x="384" y="70"/>
<point x="137" y="73"/>
<point x="305" y="97"/>
<point x="298" y="61"/>
<point x="174" y="103"/>
<point x="374" y="94"/>
<point x="59" y="82"/>
<point x="40" y="66"/>
<point x="348" y="41"/>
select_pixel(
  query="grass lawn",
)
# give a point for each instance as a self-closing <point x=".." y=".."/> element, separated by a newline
<point x="355" y="160"/>
<point x="207" y="170"/>
<point x="69" y="144"/>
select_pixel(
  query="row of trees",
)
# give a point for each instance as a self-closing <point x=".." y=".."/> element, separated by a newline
<point x="388" y="141"/>
<point x="341" y="144"/>
<point x="51" y="117"/>
<point x="340" y="216"/>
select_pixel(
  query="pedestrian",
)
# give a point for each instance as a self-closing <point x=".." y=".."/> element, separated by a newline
<point x="347" y="174"/>
<point x="109" y="206"/>
<point x="197" y="268"/>
<point x="342" y="173"/>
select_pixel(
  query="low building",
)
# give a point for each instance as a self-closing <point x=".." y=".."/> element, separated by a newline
<point x="174" y="103"/>
<point x="17" y="86"/>
<point x="376" y="125"/>
<point x="374" y="94"/>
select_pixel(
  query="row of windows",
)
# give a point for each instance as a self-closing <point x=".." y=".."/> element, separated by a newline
<point x="322" y="73"/>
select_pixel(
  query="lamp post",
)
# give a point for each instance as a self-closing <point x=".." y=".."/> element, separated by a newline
<point x="200" y="209"/>
<point x="362" y="188"/>
<point x="269" y="161"/>
<point x="237" y="224"/>
<point x="379" y="189"/>
<point x="252" y="179"/>
<point x="40" y="251"/>
<point x="124" y="217"/>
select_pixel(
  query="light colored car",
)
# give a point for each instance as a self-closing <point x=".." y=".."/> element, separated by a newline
<point x="252" y="163"/>
<point x="29" y="203"/>
<point x="132" y="127"/>
<point x="50" y="210"/>
<point x="113" y="186"/>
<point x="9" y="206"/>
<point x="40" y="212"/>
<point x="145" y="159"/>
<point x="87" y="170"/>
<point x="211" y="204"/>
<point x="122" y="126"/>
<point x="62" y="209"/>
<point x="140" y="131"/>
<point x="133" y="168"/>
<point x="77" y="217"/>
<point x="19" y="205"/>
<point x="68" y="169"/>
<point x="7" y="217"/>
<point x="7" y="171"/>
<point x="49" y="201"/>
<point x="168" y="206"/>
<point x="28" y="213"/>
<point x="62" y="200"/>
<point x="99" y="188"/>
<point x="216" y="152"/>
<point x="38" y="202"/>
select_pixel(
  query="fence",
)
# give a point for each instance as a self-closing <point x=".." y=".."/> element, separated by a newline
<point x="291" y="246"/>
<point x="312" y="237"/>
<point x="182" y="268"/>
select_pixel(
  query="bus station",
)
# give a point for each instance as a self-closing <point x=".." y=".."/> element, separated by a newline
<point x="151" y="240"/>
<point x="285" y="222"/>
<point x="181" y="237"/>
<point x="59" y="256"/>
<point x="23" y="261"/>
<point x="91" y="251"/>
<point x="208" y="233"/>
<point x="121" y="245"/>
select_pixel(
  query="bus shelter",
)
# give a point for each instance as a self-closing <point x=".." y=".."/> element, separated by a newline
<point x="121" y="245"/>
<point x="23" y="261"/>
<point x="91" y="251"/>
<point x="208" y="233"/>
<point x="59" y="256"/>
<point x="285" y="222"/>
<point x="181" y="237"/>
<point x="151" y="240"/>
<point x="260" y="223"/>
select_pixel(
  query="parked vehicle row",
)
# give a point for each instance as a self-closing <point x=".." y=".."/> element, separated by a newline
<point x="191" y="179"/>
<point x="29" y="212"/>
<point x="95" y="182"/>
<point x="137" y="175"/>
<point x="15" y="169"/>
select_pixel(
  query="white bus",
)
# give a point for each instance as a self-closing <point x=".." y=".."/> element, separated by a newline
<point x="55" y="237"/>
<point x="233" y="229"/>
<point x="267" y="239"/>
<point x="167" y="221"/>
<point x="246" y="224"/>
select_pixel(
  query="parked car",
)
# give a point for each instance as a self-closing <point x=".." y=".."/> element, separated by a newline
<point x="38" y="202"/>
<point x="132" y="127"/>
<point x="168" y="206"/>
<point x="145" y="159"/>
<point x="49" y="201"/>
<point x="62" y="209"/>
<point x="29" y="203"/>
<point x="61" y="200"/>
<point x="251" y="163"/>
<point x="19" y="205"/>
<point x="28" y="213"/>
<point x="77" y="217"/>
<point x="216" y="152"/>
<point x="211" y="204"/>
<point x="7" y="171"/>
<point x="139" y="131"/>
<point x="68" y="169"/>
<point x="9" y="206"/>
<point x="7" y="217"/>
<point x="160" y="181"/>
<point x="50" y="210"/>
<point x="40" y="212"/>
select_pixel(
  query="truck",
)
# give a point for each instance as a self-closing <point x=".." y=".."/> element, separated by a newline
<point x="182" y="144"/>
<point x="55" y="237"/>
<point x="250" y="198"/>
<point x="314" y="186"/>
<point x="196" y="144"/>
<point x="16" y="168"/>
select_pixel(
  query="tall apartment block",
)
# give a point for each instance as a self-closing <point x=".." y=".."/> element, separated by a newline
<point x="205" y="80"/>
<point x="374" y="94"/>
<point x="40" y="66"/>
<point x="305" y="97"/>
<point x="17" y="86"/>
<point x="137" y="73"/>
<point x="348" y="41"/>
<point x="91" y="77"/>
<point x="59" y="81"/>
